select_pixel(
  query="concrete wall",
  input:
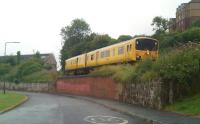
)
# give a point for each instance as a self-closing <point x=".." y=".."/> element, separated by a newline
<point x="32" y="87"/>
<point x="152" y="94"/>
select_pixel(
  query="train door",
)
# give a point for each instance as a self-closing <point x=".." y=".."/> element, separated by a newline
<point x="77" y="63"/>
<point x="97" y="57"/>
<point x="85" y="60"/>
<point x="128" y="51"/>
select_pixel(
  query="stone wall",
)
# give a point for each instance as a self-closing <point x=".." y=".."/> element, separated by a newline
<point x="32" y="87"/>
<point x="149" y="94"/>
<point x="154" y="94"/>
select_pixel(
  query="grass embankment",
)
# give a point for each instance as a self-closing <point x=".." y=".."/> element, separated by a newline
<point x="180" y="66"/>
<point x="188" y="106"/>
<point x="10" y="99"/>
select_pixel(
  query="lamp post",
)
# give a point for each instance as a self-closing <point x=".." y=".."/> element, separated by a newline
<point x="4" y="84"/>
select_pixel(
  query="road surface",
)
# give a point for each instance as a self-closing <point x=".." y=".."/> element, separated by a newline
<point x="53" y="109"/>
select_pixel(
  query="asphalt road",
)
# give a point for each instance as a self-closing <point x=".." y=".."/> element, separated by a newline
<point x="53" y="109"/>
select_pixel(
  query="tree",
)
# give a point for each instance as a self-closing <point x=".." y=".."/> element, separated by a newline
<point x="160" y="25"/>
<point x="18" y="57"/>
<point x="100" y="41"/>
<point x="124" y="38"/>
<point x="37" y="55"/>
<point x="74" y="37"/>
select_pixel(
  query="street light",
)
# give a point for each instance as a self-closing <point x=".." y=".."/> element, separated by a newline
<point x="4" y="84"/>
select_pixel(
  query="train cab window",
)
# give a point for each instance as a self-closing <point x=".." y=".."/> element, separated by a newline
<point x="120" y="50"/>
<point x="127" y="48"/>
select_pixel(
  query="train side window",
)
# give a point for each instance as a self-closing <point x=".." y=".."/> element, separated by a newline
<point x="107" y="53"/>
<point x="120" y="50"/>
<point x="102" y="54"/>
<point x="114" y="52"/>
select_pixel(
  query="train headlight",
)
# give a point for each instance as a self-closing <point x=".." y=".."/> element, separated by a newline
<point x="148" y="52"/>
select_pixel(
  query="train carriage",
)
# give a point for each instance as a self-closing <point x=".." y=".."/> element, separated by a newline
<point x="124" y="52"/>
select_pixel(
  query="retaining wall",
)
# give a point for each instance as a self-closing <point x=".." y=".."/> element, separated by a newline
<point x="152" y="94"/>
<point x="32" y="87"/>
<point x="100" y="87"/>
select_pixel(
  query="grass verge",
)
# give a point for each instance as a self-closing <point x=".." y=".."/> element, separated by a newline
<point x="10" y="100"/>
<point x="187" y="106"/>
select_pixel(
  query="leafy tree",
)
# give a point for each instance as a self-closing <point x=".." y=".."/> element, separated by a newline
<point x="160" y="25"/>
<point x="124" y="38"/>
<point x="18" y="57"/>
<point x="100" y="41"/>
<point x="11" y="60"/>
<point x="4" y="69"/>
<point x="37" y="55"/>
<point x="74" y="37"/>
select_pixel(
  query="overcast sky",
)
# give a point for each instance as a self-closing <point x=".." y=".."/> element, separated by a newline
<point x="37" y="23"/>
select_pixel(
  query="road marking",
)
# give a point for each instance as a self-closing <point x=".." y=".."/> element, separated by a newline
<point x="100" y="119"/>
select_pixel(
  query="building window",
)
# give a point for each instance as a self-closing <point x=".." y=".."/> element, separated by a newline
<point x="120" y="50"/>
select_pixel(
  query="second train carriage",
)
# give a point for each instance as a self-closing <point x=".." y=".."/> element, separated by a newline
<point x="123" y="52"/>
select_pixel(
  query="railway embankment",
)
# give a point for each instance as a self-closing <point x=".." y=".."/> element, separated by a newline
<point x="154" y="84"/>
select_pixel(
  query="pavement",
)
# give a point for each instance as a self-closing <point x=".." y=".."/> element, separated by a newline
<point x="42" y="108"/>
<point x="147" y="114"/>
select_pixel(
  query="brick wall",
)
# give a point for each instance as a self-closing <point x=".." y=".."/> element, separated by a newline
<point x="100" y="87"/>
<point x="152" y="94"/>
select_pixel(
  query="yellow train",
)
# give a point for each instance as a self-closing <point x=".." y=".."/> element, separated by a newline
<point x="124" y="52"/>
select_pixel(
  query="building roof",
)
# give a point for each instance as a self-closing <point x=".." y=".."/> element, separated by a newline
<point x="28" y="56"/>
<point x="195" y="1"/>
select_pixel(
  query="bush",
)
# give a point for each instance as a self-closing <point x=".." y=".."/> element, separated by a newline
<point x="40" y="77"/>
<point x="28" y="68"/>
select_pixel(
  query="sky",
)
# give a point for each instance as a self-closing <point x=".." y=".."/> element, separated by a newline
<point x="36" y="24"/>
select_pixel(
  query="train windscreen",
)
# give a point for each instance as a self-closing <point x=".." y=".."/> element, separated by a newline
<point x="146" y="44"/>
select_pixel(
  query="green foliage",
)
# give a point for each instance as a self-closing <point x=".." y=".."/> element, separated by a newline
<point x="29" y="67"/>
<point x="160" y="24"/>
<point x="78" y="39"/>
<point x="37" y="55"/>
<point x="10" y="99"/>
<point x="176" y="39"/>
<point x="124" y="38"/>
<point x="178" y="66"/>
<point x="100" y="41"/>
<point x="4" y="69"/>
<point x="74" y="37"/>
<point x="188" y="106"/>
<point x="40" y="77"/>
<point x="196" y="23"/>
<point x="18" y="57"/>
<point x="32" y="70"/>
